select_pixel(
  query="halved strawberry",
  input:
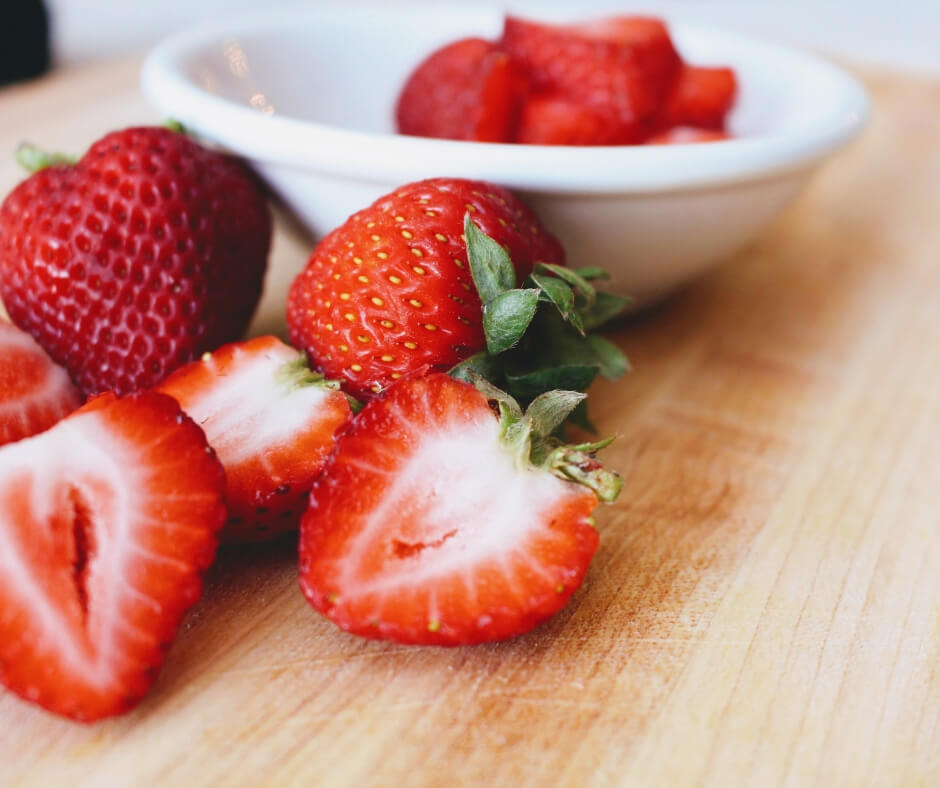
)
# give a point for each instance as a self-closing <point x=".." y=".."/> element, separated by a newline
<point x="435" y="522"/>
<point x="467" y="90"/>
<point x="684" y="135"/>
<point x="107" y="521"/>
<point x="271" y="421"/>
<point x="702" y="97"/>
<point x="34" y="392"/>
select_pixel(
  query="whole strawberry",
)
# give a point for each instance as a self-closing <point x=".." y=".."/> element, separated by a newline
<point x="148" y="251"/>
<point x="390" y="290"/>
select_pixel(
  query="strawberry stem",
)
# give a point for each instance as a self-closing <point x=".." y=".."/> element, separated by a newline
<point x="33" y="159"/>
<point x="528" y="437"/>
<point x="570" y="464"/>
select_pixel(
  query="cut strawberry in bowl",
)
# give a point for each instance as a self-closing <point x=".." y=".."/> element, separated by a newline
<point x="271" y="421"/>
<point x="653" y="216"/>
<point x="34" y="392"/>
<point x="601" y="74"/>
<point x="467" y="90"/>
<point x="435" y="522"/>
<point x="549" y="119"/>
<point x="108" y="520"/>
<point x="702" y="97"/>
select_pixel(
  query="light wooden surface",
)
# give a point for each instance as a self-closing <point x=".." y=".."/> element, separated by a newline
<point x="764" y="608"/>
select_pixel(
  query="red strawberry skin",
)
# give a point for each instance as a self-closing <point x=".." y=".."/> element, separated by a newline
<point x="423" y="530"/>
<point x="554" y="120"/>
<point x="271" y="429"/>
<point x="389" y="291"/>
<point x="602" y="66"/>
<point x="147" y="252"/>
<point x="34" y="392"/>
<point x="108" y="520"/>
<point x="702" y="97"/>
<point x="467" y="90"/>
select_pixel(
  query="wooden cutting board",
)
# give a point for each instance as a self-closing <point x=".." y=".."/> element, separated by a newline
<point x="765" y="605"/>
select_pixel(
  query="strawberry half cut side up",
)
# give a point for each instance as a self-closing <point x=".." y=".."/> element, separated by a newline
<point x="271" y="421"/>
<point x="107" y="521"/>
<point x="435" y="522"/>
<point x="34" y="392"/>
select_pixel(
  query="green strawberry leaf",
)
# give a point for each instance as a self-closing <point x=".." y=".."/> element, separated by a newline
<point x="592" y="272"/>
<point x="508" y="406"/>
<point x="479" y="365"/>
<point x="528" y="385"/>
<point x="611" y="361"/>
<point x="580" y="285"/>
<point x="506" y="318"/>
<point x="579" y="418"/>
<point x="547" y="411"/>
<point x="606" y="307"/>
<point x="492" y="270"/>
<point x="561" y="295"/>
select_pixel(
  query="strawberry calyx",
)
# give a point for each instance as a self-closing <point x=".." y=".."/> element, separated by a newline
<point x="539" y="335"/>
<point x="33" y="159"/>
<point x="529" y="436"/>
<point x="297" y="373"/>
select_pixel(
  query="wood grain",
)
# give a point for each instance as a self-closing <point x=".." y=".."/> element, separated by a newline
<point x="765" y="605"/>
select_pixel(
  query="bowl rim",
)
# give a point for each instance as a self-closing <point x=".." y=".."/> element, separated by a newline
<point x="276" y="139"/>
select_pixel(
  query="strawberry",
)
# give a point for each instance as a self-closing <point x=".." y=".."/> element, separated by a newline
<point x="467" y="90"/>
<point x="107" y="521"/>
<point x="683" y="135"/>
<point x="702" y="97"/>
<point x="271" y="422"/>
<point x="148" y="251"/>
<point x="390" y="290"/>
<point x="434" y="522"/>
<point x="549" y="119"/>
<point x="649" y="40"/>
<point x="34" y="392"/>
<point x="619" y="69"/>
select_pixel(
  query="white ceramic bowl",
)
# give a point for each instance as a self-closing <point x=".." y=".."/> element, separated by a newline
<point x="308" y="96"/>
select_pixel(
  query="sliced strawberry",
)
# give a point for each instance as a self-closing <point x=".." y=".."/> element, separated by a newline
<point x="609" y="67"/>
<point x="431" y="525"/>
<point x="467" y="90"/>
<point x="107" y="521"/>
<point x="649" y="40"/>
<point x="702" y="97"/>
<point x="270" y="420"/>
<point x="554" y="120"/>
<point x="684" y="135"/>
<point x="34" y="392"/>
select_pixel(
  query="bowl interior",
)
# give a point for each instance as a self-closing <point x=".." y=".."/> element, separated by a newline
<point x="345" y="70"/>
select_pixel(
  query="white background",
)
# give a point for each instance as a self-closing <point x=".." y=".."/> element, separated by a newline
<point x="902" y="33"/>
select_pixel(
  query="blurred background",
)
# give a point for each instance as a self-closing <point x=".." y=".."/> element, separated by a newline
<point x="904" y="33"/>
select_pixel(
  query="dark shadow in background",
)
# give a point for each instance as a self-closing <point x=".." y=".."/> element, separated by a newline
<point x="24" y="40"/>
